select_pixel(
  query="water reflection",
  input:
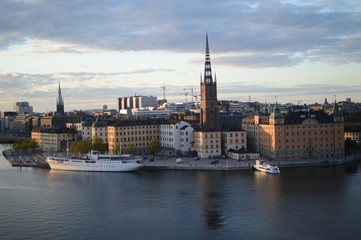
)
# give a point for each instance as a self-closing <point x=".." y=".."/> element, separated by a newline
<point x="211" y="195"/>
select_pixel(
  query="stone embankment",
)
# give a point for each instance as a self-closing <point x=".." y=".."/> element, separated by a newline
<point x="31" y="159"/>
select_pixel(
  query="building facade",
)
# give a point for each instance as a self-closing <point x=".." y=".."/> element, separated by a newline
<point x="177" y="137"/>
<point x="100" y="129"/>
<point x="22" y="108"/>
<point x="53" y="138"/>
<point x="207" y="144"/>
<point x="299" y="135"/>
<point x="134" y="133"/>
<point x="137" y="102"/>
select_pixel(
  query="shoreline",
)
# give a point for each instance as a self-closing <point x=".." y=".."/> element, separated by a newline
<point x="31" y="159"/>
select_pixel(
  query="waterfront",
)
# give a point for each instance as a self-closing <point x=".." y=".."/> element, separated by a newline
<point x="300" y="203"/>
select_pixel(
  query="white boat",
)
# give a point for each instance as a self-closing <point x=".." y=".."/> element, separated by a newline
<point x="96" y="162"/>
<point x="265" y="167"/>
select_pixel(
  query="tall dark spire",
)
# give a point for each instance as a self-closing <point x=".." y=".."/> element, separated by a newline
<point x="209" y="118"/>
<point x="207" y="66"/>
<point x="59" y="102"/>
<point x="59" y="99"/>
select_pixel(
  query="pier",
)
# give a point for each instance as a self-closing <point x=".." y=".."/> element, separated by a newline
<point x="25" y="159"/>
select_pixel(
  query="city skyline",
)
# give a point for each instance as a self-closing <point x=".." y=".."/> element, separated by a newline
<point x="296" y="50"/>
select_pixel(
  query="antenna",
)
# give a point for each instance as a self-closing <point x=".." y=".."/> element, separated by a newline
<point x="163" y="87"/>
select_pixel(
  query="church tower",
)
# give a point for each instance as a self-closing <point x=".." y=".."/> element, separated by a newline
<point x="209" y="103"/>
<point x="59" y="103"/>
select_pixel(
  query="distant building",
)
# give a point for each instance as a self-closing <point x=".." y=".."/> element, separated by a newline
<point x="87" y="128"/>
<point x="137" y="102"/>
<point x="147" y="112"/>
<point x="137" y="133"/>
<point x="100" y="129"/>
<point x="22" y="123"/>
<point x="297" y="134"/>
<point x="177" y="137"/>
<point x="22" y="108"/>
<point x="53" y="138"/>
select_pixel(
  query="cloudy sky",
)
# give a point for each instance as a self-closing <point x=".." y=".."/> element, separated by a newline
<point x="305" y="50"/>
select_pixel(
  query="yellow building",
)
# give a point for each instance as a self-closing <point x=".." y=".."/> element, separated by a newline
<point x="53" y="138"/>
<point x="299" y="135"/>
<point x="207" y="143"/>
<point x="135" y="133"/>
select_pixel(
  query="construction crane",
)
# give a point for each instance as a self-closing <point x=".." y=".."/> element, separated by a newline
<point x="191" y="88"/>
<point x="196" y="97"/>
<point x="163" y="87"/>
<point x="185" y="95"/>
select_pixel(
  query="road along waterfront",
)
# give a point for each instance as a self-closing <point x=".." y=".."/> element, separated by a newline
<point x="38" y="159"/>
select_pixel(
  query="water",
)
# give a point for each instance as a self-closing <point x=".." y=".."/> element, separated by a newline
<point x="300" y="203"/>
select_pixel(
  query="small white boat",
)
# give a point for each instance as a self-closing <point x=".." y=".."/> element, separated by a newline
<point x="265" y="167"/>
<point x="96" y="162"/>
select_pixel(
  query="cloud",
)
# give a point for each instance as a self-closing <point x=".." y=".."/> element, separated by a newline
<point x="264" y="30"/>
<point x="259" y="60"/>
<point x="269" y="91"/>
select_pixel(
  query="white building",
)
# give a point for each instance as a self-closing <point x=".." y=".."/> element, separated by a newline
<point x="78" y="127"/>
<point x="137" y="102"/>
<point x="100" y="129"/>
<point x="86" y="132"/>
<point x="22" y="107"/>
<point x="148" y="112"/>
<point x="177" y="137"/>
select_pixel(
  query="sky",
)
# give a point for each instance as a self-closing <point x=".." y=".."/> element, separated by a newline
<point x="263" y="50"/>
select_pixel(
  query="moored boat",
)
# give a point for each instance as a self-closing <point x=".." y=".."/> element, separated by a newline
<point x="265" y="167"/>
<point x="96" y="162"/>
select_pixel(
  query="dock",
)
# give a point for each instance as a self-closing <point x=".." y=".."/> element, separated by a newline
<point x="25" y="159"/>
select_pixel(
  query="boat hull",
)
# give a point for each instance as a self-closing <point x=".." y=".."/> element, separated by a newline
<point x="94" y="166"/>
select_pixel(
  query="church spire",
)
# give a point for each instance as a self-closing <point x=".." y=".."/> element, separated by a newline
<point x="59" y="102"/>
<point x="207" y="66"/>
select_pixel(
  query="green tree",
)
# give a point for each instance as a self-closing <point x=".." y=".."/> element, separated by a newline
<point x="116" y="149"/>
<point x="75" y="148"/>
<point x="131" y="149"/>
<point x="85" y="146"/>
<point x="33" y="144"/>
<point x="154" y="146"/>
<point x="97" y="144"/>
<point x="24" y="146"/>
<point x="350" y="145"/>
<point x="16" y="146"/>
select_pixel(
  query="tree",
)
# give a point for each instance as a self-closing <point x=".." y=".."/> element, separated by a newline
<point x="131" y="149"/>
<point x="154" y="146"/>
<point x="75" y="148"/>
<point x="97" y="144"/>
<point x="116" y="149"/>
<point x="16" y="146"/>
<point x="85" y="146"/>
<point x="350" y="145"/>
<point x="33" y="144"/>
<point x="24" y="146"/>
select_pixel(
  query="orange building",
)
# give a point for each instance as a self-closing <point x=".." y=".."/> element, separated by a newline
<point x="297" y="134"/>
